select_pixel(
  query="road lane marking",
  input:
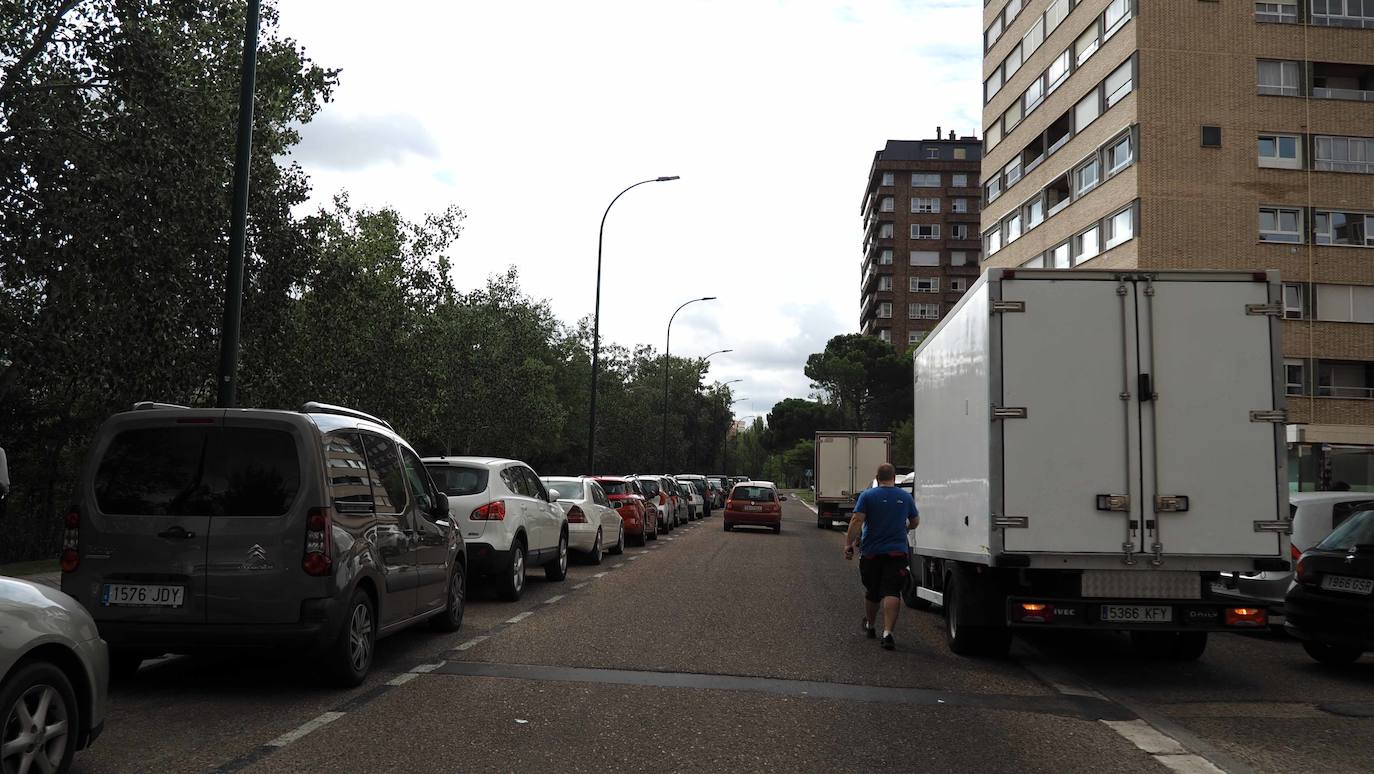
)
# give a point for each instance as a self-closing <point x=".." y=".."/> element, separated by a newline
<point x="552" y="600"/>
<point x="517" y="619"/>
<point x="426" y="668"/>
<point x="305" y="728"/>
<point x="471" y="642"/>
<point x="580" y="585"/>
<point x="1146" y="737"/>
<point x="600" y="574"/>
<point x="631" y="559"/>
<point x="403" y="678"/>
<point x="1188" y="764"/>
<point x="617" y="565"/>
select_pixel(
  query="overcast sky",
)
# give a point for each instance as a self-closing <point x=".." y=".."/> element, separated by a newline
<point x="532" y="116"/>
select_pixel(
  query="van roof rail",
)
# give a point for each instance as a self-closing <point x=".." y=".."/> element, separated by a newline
<point x="148" y="405"/>
<point x="313" y="407"/>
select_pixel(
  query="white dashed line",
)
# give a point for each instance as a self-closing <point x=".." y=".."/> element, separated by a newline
<point x="600" y="574"/>
<point x="580" y="585"/>
<point x="305" y="728"/>
<point x="1146" y="737"/>
<point x="631" y="559"/>
<point x="403" y="678"/>
<point x="517" y="619"/>
<point x="552" y="600"/>
<point x="1188" y="764"/>
<point x="427" y="668"/>
<point x="471" y="642"/>
<point x="617" y="565"/>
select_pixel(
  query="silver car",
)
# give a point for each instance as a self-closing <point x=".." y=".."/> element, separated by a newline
<point x="54" y="675"/>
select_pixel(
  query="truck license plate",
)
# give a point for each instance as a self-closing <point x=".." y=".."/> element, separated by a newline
<point x="1348" y="585"/>
<point x="142" y="595"/>
<point x="1146" y="614"/>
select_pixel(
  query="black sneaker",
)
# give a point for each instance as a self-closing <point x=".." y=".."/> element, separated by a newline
<point x="888" y="642"/>
<point x="870" y="631"/>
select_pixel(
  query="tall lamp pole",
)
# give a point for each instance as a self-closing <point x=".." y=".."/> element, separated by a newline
<point x="238" y="218"/>
<point x="596" y="323"/>
<point x="717" y="352"/>
<point x="667" y="349"/>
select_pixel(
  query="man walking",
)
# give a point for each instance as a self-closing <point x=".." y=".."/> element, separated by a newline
<point x="884" y="514"/>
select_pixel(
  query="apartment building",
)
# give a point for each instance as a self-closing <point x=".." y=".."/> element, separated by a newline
<point x="921" y="242"/>
<point x="1202" y="135"/>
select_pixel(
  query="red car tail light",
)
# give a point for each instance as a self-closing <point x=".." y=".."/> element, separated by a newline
<point x="492" y="511"/>
<point x="1294" y="552"/>
<point x="576" y="516"/>
<point x="318" y="559"/>
<point x="71" y="540"/>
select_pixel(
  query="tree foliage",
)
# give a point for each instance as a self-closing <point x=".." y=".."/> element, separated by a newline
<point x="865" y="378"/>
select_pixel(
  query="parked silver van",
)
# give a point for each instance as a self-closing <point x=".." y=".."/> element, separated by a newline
<point x="198" y="529"/>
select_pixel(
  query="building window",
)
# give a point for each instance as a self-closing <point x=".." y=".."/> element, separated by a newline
<point x="1118" y="84"/>
<point x="1012" y="117"/>
<point x="1340" y="13"/>
<point x="992" y="135"/>
<point x="924" y="180"/>
<point x="924" y="311"/>
<point x="1338" y="379"/>
<point x="885" y="282"/>
<point x="992" y="85"/>
<point x="958" y="258"/>
<point x="925" y="230"/>
<point x="1012" y="63"/>
<point x="1088" y="175"/>
<point x="992" y="240"/>
<point x="1345" y="303"/>
<point x="960" y="154"/>
<point x="1086" y="44"/>
<point x="1280" y="150"/>
<point x="1059" y="257"/>
<point x="1085" y="246"/>
<point x="885" y="258"/>
<point x="885" y="334"/>
<point x="992" y="33"/>
<point x="958" y="180"/>
<point x="994" y="187"/>
<point x="1293" y="302"/>
<point x="958" y="284"/>
<point x="1120" y="227"/>
<point x="1119" y="154"/>
<point x="1055" y="14"/>
<point x="925" y="257"/>
<point x="1034" y="36"/>
<point x="889" y="179"/>
<point x="914" y="338"/>
<point x="1211" y="136"/>
<point x="959" y="231"/>
<point x="1035" y="92"/>
<point x="1012" y="227"/>
<point x="925" y="204"/>
<point x="1278" y="13"/>
<point x="1118" y="11"/>
<point x="1280" y="224"/>
<point x="1293" y="377"/>
<point x="885" y="231"/>
<point x="1279" y="77"/>
<point x="1059" y="70"/>
<point x="886" y="204"/>
<point x="925" y="284"/>
<point x="1058" y="195"/>
<point x="1035" y="212"/>
<point x="1344" y="228"/>
<point x="885" y="310"/>
<point x="1038" y="262"/>
<point x="1012" y="171"/>
<point x="1087" y="110"/>
<point x="1344" y="154"/>
<point x="958" y="205"/>
<point x="933" y="154"/>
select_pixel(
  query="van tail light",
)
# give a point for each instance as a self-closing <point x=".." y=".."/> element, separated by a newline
<point x="1246" y="616"/>
<point x="71" y="540"/>
<point x="319" y="559"/>
<point x="1033" y="612"/>
<point x="492" y="511"/>
<point x="576" y="516"/>
<point x="1294" y="552"/>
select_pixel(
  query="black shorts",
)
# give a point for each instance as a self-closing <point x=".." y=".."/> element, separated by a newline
<point x="883" y="576"/>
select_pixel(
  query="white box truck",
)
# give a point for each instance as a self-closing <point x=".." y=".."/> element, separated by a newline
<point x="1093" y="448"/>
<point x="845" y="464"/>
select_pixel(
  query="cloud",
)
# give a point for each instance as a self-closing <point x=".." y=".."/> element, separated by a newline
<point x="333" y="141"/>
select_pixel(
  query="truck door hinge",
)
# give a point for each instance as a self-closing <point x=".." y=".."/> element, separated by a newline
<point x="1273" y="310"/>
<point x="1171" y="503"/>
<point x="1010" y="522"/>
<point x="1007" y="306"/>
<point x="1008" y="412"/>
<point x="1269" y="415"/>
<point x="1278" y="525"/>
<point x="1114" y="502"/>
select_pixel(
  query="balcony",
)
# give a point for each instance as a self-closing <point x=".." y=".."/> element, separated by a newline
<point x="1332" y="80"/>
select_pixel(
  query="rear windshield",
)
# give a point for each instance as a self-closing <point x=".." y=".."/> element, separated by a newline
<point x="199" y="471"/>
<point x="568" y="488"/>
<point x="650" y="487"/>
<point x="617" y="487"/>
<point x="758" y="494"/>
<point x="1357" y="531"/>
<point x="457" y="480"/>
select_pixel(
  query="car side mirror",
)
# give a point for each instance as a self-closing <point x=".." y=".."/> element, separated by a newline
<point x="440" y="508"/>
<point x="554" y="494"/>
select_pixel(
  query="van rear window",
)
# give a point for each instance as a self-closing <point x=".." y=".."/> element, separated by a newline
<point x="756" y="494"/>
<point x="199" y="471"/>
<point x="457" y="481"/>
<point x="649" y="486"/>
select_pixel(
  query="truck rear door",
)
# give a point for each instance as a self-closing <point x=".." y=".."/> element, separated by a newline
<point x="870" y="451"/>
<point x="834" y="466"/>
<point x="1210" y="364"/>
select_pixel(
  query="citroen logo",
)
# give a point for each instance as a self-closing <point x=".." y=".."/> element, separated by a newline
<point x="257" y="559"/>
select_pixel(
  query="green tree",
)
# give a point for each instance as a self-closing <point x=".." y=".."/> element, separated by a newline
<point x="795" y="419"/>
<point x="865" y="378"/>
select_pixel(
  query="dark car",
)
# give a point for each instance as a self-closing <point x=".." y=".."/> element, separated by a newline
<point x="318" y="530"/>
<point x="1331" y="605"/>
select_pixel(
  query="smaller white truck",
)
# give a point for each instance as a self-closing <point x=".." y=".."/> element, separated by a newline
<point x="845" y="464"/>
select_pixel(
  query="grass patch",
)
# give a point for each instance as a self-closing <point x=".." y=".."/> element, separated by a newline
<point x="22" y="569"/>
<point x="805" y="495"/>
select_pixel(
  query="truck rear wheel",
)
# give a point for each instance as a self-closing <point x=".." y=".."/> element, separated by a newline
<point x="822" y="522"/>
<point x="970" y="640"/>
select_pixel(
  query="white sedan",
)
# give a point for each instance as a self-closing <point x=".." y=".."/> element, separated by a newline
<point x="594" y="525"/>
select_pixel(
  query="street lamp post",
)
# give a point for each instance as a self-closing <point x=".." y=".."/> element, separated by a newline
<point x="596" y="323"/>
<point x="717" y="352"/>
<point x="667" y="350"/>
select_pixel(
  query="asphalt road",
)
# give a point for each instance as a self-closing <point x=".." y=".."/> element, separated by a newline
<point x="741" y="651"/>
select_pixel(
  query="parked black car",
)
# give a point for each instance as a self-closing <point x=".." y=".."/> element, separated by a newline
<point x="1331" y="607"/>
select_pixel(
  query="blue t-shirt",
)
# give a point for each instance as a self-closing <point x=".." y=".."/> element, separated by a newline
<point x="886" y="510"/>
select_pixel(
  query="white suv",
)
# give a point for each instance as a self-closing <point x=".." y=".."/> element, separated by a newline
<point x="507" y="520"/>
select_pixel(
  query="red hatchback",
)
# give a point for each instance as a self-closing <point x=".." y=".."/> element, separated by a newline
<point x="640" y="525"/>
<point x="754" y="504"/>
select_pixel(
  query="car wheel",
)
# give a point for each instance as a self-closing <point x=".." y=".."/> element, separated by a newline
<point x="557" y="570"/>
<point x="351" y="656"/>
<point x="619" y="547"/>
<point x="512" y="585"/>
<point x="450" y="619"/>
<point x="40" y="720"/>
<point x="777" y="530"/>
<point x="640" y="539"/>
<point x="1334" y="655"/>
<point x="653" y="535"/>
<point x="594" y="555"/>
<point x="726" y="524"/>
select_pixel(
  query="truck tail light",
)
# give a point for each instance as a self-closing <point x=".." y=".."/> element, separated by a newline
<point x="576" y="516"/>
<point x="492" y="511"/>
<point x="1246" y="616"/>
<point x="1034" y="612"/>
<point x="318" y="559"/>
<point x="71" y="540"/>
